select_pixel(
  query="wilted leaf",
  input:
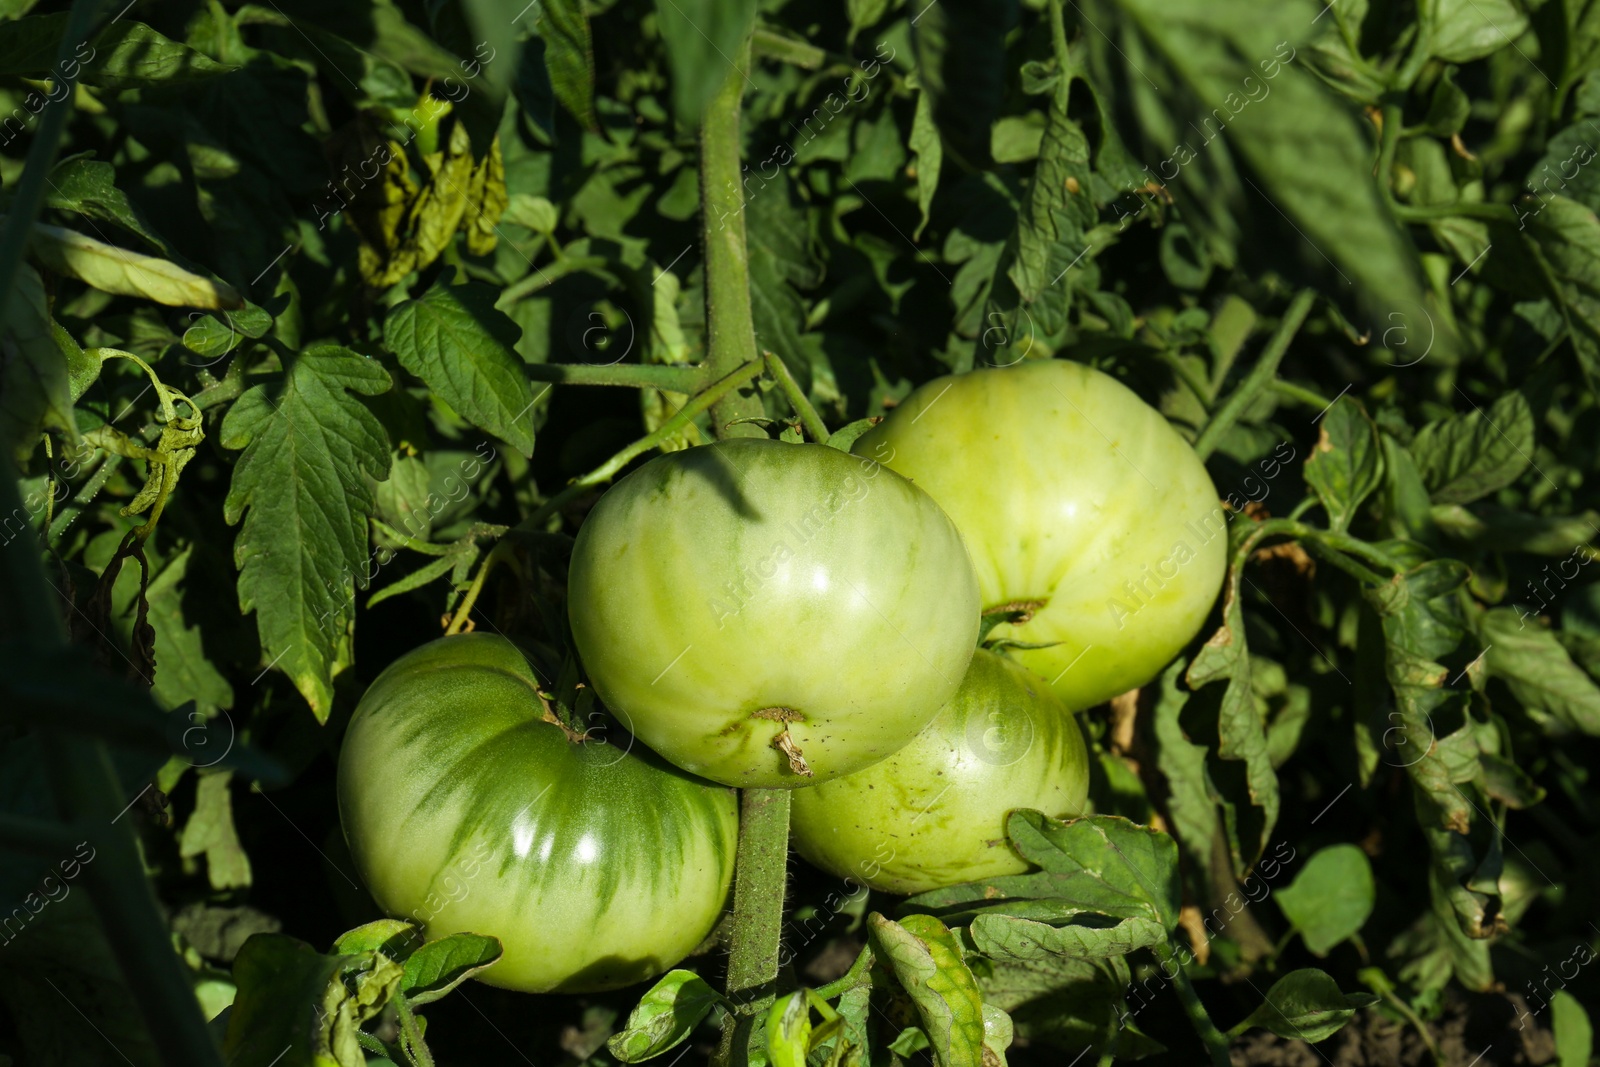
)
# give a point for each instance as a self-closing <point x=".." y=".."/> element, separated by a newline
<point x="927" y="962"/>
<point x="664" y="1017"/>
<point x="124" y="273"/>
<point x="295" y="1005"/>
<point x="1006" y="937"/>
<point x="1553" y="690"/>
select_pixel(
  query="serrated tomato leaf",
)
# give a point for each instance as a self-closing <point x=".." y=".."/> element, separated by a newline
<point x="464" y="348"/>
<point x="1346" y="465"/>
<point x="303" y="486"/>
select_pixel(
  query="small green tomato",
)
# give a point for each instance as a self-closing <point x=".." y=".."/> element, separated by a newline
<point x="933" y="814"/>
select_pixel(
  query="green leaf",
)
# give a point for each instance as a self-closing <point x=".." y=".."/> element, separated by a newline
<point x="311" y="454"/>
<point x="295" y="1005"/>
<point x="1241" y="733"/>
<point x="925" y="144"/>
<point x="926" y="960"/>
<point x="1554" y="691"/>
<point x="1100" y="863"/>
<point x="1565" y="239"/>
<point x="1306" y="1005"/>
<point x="210" y="833"/>
<point x="395" y="938"/>
<point x="664" y="1017"/>
<point x="35" y="390"/>
<point x="437" y="967"/>
<point x="1331" y="898"/>
<point x="420" y="577"/>
<point x="569" y="56"/>
<point x="1191" y="799"/>
<point x="781" y="258"/>
<point x="124" y="273"/>
<point x="1471" y="455"/>
<point x="88" y="187"/>
<point x="456" y="340"/>
<point x="703" y="39"/>
<point x="1574" y="1035"/>
<point x="183" y="671"/>
<point x="864" y="14"/>
<point x="961" y="63"/>
<point x="1035" y="272"/>
<point x="1464" y="30"/>
<point x="127" y="55"/>
<point x="1247" y="138"/>
<point x="1493" y="529"/>
<point x="1005" y="937"/>
<point x="1346" y="465"/>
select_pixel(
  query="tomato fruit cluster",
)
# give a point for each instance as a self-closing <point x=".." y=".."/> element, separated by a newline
<point x="770" y="615"/>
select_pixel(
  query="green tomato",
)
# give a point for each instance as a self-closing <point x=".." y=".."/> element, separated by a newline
<point x="934" y="813"/>
<point x="596" y="865"/>
<point x="770" y="615"/>
<point x="1080" y="503"/>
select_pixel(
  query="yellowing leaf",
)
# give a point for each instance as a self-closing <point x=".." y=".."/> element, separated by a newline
<point x="117" y="270"/>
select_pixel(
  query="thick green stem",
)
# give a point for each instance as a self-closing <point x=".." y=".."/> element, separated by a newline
<point x="1261" y="375"/>
<point x="760" y="877"/>
<point x="730" y="326"/>
<point x="797" y="398"/>
<point x="761" y="870"/>
<point x="686" y="380"/>
<point x="1216" y="1044"/>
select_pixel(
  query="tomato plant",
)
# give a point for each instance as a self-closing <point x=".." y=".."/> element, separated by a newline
<point x="769" y="614"/>
<point x="466" y="809"/>
<point x="1092" y="524"/>
<point x="934" y="813"/>
<point x="1251" y="349"/>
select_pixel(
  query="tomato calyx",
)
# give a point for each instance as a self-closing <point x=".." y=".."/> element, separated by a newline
<point x="784" y="742"/>
<point x="1018" y="611"/>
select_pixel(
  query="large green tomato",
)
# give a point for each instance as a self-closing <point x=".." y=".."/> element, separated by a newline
<point x="934" y="813"/>
<point x="771" y="615"/>
<point x="596" y="866"/>
<point x="1080" y="503"/>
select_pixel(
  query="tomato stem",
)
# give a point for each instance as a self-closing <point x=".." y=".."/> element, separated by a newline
<point x="761" y="874"/>
<point x="1261" y="375"/>
<point x="686" y="380"/>
<point x="730" y="325"/>
<point x="1216" y="1044"/>
<point x="796" y="397"/>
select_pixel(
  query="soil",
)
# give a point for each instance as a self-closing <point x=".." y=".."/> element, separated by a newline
<point x="1487" y="1030"/>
